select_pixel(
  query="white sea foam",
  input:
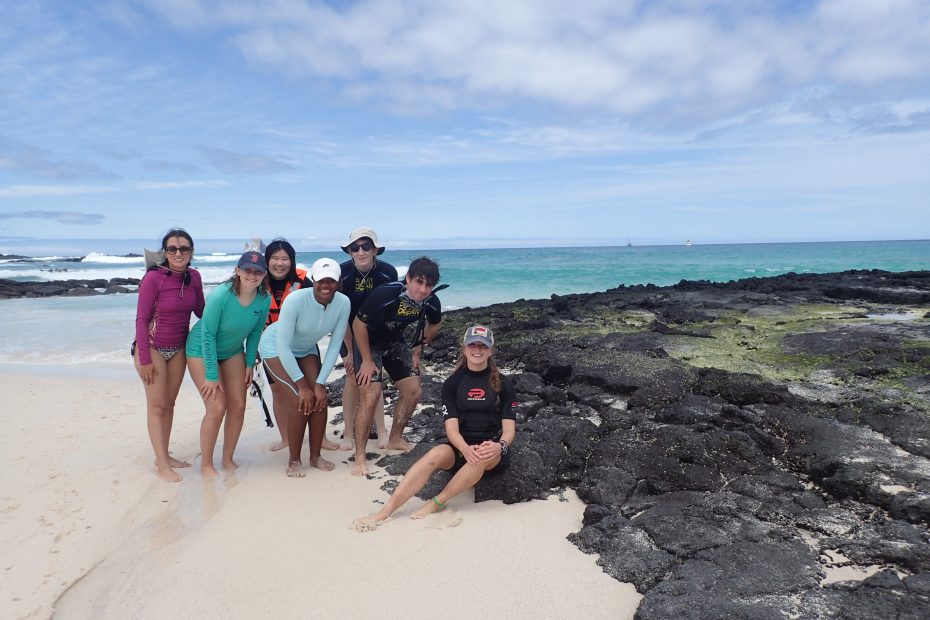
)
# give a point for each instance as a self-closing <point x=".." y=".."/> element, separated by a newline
<point x="36" y="259"/>
<point x="76" y="273"/>
<point x="215" y="258"/>
<point x="95" y="257"/>
<point x="209" y="275"/>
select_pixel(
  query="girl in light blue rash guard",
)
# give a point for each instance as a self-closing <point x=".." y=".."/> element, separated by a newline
<point x="289" y="349"/>
<point x="219" y="364"/>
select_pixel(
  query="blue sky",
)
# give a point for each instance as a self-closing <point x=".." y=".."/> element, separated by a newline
<point x="460" y="123"/>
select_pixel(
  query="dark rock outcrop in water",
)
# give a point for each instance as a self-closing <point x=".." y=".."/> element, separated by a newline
<point x="736" y="443"/>
<point x="10" y="289"/>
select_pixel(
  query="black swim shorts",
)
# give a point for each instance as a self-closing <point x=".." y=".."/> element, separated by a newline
<point x="460" y="461"/>
<point x="395" y="358"/>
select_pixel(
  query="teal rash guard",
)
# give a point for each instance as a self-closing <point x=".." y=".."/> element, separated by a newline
<point x="225" y="325"/>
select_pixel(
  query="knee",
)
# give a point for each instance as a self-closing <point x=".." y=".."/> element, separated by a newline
<point x="216" y="410"/>
<point x="236" y="408"/>
<point x="161" y="408"/>
<point x="436" y="457"/>
<point x="414" y="393"/>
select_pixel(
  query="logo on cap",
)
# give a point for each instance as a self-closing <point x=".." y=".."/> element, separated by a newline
<point x="479" y="331"/>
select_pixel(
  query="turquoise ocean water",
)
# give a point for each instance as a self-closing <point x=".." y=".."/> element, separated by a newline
<point x="75" y="330"/>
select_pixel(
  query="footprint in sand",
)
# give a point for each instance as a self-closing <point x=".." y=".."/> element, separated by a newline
<point x="444" y="519"/>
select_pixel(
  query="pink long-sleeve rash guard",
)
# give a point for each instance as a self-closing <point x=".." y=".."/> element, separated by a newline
<point x="163" y="314"/>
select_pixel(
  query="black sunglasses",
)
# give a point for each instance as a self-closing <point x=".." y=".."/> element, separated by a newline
<point x="184" y="249"/>
<point x="365" y="246"/>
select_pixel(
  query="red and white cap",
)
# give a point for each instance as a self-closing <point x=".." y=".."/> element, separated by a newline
<point x="479" y="333"/>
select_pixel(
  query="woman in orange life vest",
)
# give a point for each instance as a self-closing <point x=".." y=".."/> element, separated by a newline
<point x="284" y="277"/>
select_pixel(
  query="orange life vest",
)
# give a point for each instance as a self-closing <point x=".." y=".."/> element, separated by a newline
<point x="289" y="288"/>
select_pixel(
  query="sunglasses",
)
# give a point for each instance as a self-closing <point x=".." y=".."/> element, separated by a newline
<point x="173" y="249"/>
<point x="365" y="246"/>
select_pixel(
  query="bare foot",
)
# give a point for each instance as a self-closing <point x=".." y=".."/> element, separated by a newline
<point x="323" y="464"/>
<point x="427" y="509"/>
<point x="173" y="462"/>
<point x="400" y="444"/>
<point x="230" y="465"/>
<point x="208" y="471"/>
<point x="294" y="470"/>
<point x="278" y="445"/>
<point x="368" y="524"/>
<point x="360" y="469"/>
<point x="332" y="446"/>
<point x="382" y="443"/>
<point x="347" y="444"/>
<point x="168" y="475"/>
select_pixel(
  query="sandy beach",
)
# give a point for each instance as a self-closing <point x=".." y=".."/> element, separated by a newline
<point x="88" y="531"/>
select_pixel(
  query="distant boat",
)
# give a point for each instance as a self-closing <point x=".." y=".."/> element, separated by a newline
<point x="629" y="243"/>
<point x="689" y="243"/>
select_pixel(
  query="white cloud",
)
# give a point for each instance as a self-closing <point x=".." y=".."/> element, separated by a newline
<point x="697" y="60"/>
<point x="30" y="191"/>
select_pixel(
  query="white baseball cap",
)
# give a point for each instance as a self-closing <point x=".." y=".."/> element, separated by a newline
<point x="325" y="268"/>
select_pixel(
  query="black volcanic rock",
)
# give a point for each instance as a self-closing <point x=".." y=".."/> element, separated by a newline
<point x="727" y="437"/>
<point x="11" y="289"/>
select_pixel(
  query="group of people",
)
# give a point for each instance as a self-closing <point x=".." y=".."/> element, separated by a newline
<point x="274" y="313"/>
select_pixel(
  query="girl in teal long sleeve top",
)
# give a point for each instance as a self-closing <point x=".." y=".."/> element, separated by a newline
<point x="221" y="352"/>
<point x="226" y="323"/>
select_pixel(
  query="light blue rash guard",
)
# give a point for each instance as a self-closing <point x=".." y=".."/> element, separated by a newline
<point x="302" y="323"/>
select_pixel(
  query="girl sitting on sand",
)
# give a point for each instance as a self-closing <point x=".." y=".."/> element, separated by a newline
<point x="480" y="426"/>
<point x="235" y="312"/>
<point x="168" y="294"/>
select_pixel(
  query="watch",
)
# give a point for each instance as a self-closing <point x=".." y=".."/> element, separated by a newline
<point x="505" y="447"/>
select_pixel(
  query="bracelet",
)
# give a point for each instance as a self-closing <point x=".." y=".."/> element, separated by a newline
<point x="505" y="447"/>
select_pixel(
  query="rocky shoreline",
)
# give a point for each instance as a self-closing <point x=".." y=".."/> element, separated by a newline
<point x="13" y="289"/>
<point x="751" y="449"/>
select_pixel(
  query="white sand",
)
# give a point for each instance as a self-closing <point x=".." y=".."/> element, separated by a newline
<point x="87" y="531"/>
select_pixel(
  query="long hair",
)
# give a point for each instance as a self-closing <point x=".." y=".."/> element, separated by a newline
<point x="175" y="232"/>
<point x="495" y="377"/>
<point x="280" y="243"/>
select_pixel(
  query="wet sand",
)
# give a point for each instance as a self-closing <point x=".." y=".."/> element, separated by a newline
<point x="87" y="530"/>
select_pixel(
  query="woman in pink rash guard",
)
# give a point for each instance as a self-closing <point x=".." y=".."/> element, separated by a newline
<point x="168" y="294"/>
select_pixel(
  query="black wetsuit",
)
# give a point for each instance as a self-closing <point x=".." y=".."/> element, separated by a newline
<point x="467" y="396"/>
<point x="356" y="286"/>
<point x="388" y="313"/>
<point x="394" y="324"/>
